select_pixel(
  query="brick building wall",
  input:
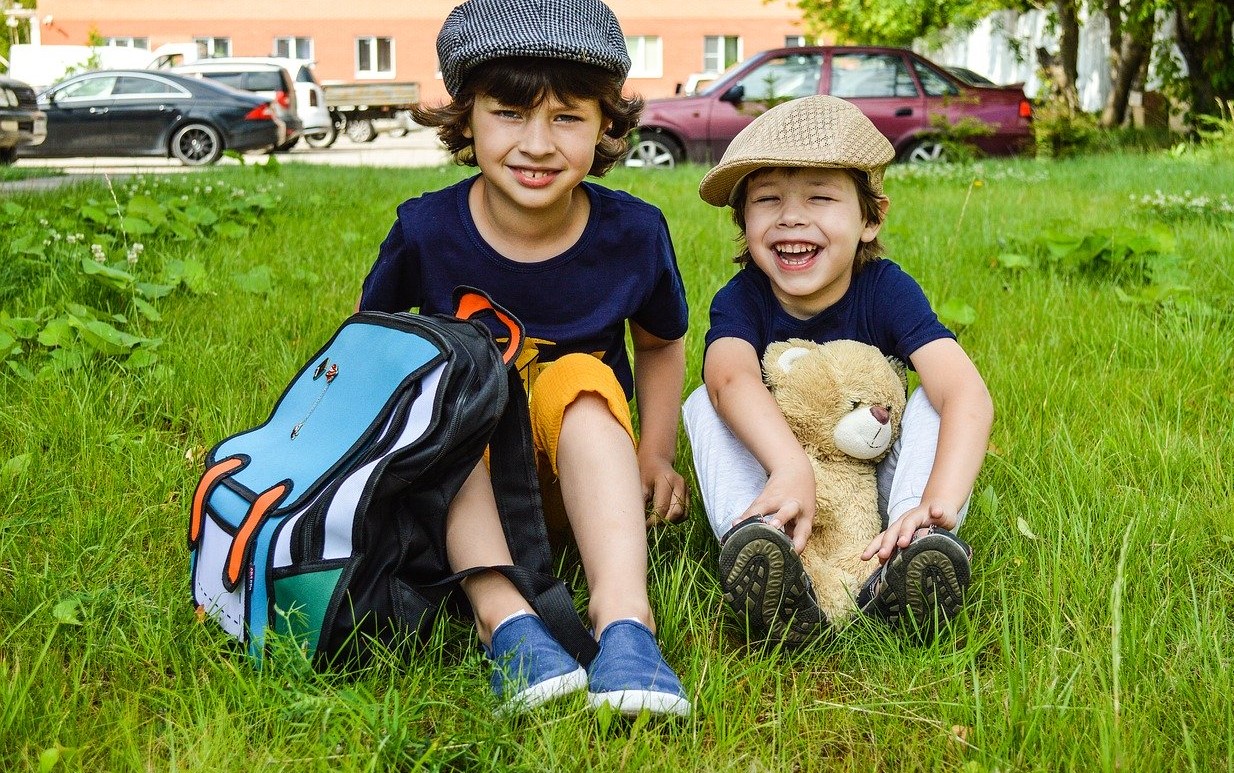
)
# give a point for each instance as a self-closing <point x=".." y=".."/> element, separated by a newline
<point x="398" y="36"/>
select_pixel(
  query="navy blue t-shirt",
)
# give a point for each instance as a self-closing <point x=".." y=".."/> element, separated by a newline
<point x="623" y="267"/>
<point x="883" y="307"/>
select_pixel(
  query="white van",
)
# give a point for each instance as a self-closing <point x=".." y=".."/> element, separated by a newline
<point x="42" y="65"/>
<point x="308" y="98"/>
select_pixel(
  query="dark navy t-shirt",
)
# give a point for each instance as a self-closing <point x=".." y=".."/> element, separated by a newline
<point x="883" y="307"/>
<point x="622" y="268"/>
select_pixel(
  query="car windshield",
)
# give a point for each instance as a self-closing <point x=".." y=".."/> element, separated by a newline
<point x="305" y="75"/>
<point x="715" y="80"/>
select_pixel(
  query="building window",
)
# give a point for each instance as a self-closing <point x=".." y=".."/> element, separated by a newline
<point x="720" y="52"/>
<point x="294" y="48"/>
<point x="374" y="57"/>
<point x="127" y="42"/>
<point x="796" y="41"/>
<point x="646" y="56"/>
<point x="211" y="47"/>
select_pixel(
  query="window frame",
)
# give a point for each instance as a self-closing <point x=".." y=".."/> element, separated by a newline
<point x="293" y="46"/>
<point x="717" y="61"/>
<point x="208" y="45"/>
<point x="644" y="62"/>
<point x="374" y="43"/>
<point x="127" y="41"/>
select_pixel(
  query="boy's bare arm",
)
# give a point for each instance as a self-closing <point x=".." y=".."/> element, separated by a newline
<point x="659" y="375"/>
<point x="735" y="384"/>
<point x="966" y="414"/>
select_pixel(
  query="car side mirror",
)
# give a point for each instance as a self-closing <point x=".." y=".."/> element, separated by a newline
<point x="735" y="95"/>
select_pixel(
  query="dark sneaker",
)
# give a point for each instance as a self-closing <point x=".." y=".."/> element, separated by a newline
<point x="630" y="675"/>
<point x="765" y="583"/>
<point x="529" y="666"/>
<point x="921" y="586"/>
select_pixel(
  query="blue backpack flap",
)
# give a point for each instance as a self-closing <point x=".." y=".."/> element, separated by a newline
<point x="326" y="523"/>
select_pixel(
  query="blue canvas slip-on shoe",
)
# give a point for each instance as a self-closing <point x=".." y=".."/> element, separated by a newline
<point x="920" y="586"/>
<point x="766" y="584"/>
<point x="630" y="674"/>
<point x="529" y="666"/>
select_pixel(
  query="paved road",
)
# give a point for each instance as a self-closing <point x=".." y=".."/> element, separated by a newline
<point x="420" y="148"/>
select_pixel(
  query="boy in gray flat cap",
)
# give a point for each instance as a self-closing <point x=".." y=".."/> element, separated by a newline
<point x="805" y="181"/>
<point x="537" y="105"/>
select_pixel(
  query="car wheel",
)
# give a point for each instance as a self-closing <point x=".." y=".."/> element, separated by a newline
<point x="322" y="140"/>
<point x="654" y="151"/>
<point x="196" y="144"/>
<point x="360" y="130"/>
<point x="926" y="150"/>
<point x="286" y="146"/>
<point x="8" y="156"/>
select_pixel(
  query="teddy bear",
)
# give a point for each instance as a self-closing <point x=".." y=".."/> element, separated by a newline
<point x="843" y="401"/>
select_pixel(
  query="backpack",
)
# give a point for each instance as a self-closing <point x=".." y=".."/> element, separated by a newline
<point x="326" y="523"/>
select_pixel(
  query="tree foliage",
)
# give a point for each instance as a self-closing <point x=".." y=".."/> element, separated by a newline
<point x="1206" y="40"/>
<point x="877" y="22"/>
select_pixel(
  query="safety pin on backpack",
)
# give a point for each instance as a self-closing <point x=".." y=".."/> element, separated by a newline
<point x="330" y="373"/>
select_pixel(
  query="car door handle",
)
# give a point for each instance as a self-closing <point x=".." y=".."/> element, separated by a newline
<point x="98" y="110"/>
<point x="904" y="111"/>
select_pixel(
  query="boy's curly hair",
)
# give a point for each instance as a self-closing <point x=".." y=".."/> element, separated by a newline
<point x="525" y="82"/>
<point x="867" y="199"/>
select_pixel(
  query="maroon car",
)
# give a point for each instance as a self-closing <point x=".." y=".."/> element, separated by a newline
<point x="898" y="89"/>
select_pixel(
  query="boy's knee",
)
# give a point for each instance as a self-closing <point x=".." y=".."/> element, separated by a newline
<point x="564" y="381"/>
<point x="574" y="381"/>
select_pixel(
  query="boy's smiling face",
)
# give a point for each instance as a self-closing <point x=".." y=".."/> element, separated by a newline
<point x="534" y="158"/>
<point x="802" y="229"/>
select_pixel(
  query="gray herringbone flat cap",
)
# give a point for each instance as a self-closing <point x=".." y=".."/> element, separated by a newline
<point x="482" y="30"/>
<point x="817" y="131"/>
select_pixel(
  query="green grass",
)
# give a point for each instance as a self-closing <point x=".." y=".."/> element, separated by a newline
<point x="12" y="173"/>
<point x="1098" y="631"/>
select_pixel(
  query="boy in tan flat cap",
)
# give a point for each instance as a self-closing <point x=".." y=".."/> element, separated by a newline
<point x="805" y="181"/>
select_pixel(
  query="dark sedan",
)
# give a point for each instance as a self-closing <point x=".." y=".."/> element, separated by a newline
<point x="899" y="90"/>
<point x="153" y="113"/>
<point x="21" y="121"/>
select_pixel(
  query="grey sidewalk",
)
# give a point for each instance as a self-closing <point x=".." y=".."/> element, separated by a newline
<point x="418" y="149"/>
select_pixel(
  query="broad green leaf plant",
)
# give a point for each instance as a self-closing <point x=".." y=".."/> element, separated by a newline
<point x="110" y="259"/>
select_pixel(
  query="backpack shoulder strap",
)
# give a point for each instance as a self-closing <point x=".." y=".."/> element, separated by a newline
<point x="517" y="489"/>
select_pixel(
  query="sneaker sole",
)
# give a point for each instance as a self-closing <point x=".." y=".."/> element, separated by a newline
<point x="631" y="703"/>
<point x="925" y="584"/>
<point x="538" y="694"/>
<point x="764" y="582"/>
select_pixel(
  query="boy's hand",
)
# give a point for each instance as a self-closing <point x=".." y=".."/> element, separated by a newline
<point x="900" y="533"/>
<point x="664" y="490"/>
<point x="788" y="498"/>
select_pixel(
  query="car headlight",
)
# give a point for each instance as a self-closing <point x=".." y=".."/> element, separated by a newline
<point x="9" y="97"/>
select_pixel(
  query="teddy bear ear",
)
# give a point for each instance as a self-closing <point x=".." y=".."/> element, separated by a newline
<point x="790" y="356"/>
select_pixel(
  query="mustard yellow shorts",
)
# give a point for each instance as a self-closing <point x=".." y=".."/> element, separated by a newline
<point x="557" y="386"/>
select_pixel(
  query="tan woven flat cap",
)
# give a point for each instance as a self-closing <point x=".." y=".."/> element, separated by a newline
<point x="816" y="131"/>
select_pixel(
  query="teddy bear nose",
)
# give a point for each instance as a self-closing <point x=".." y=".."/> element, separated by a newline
<point x="881" y="414"/>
